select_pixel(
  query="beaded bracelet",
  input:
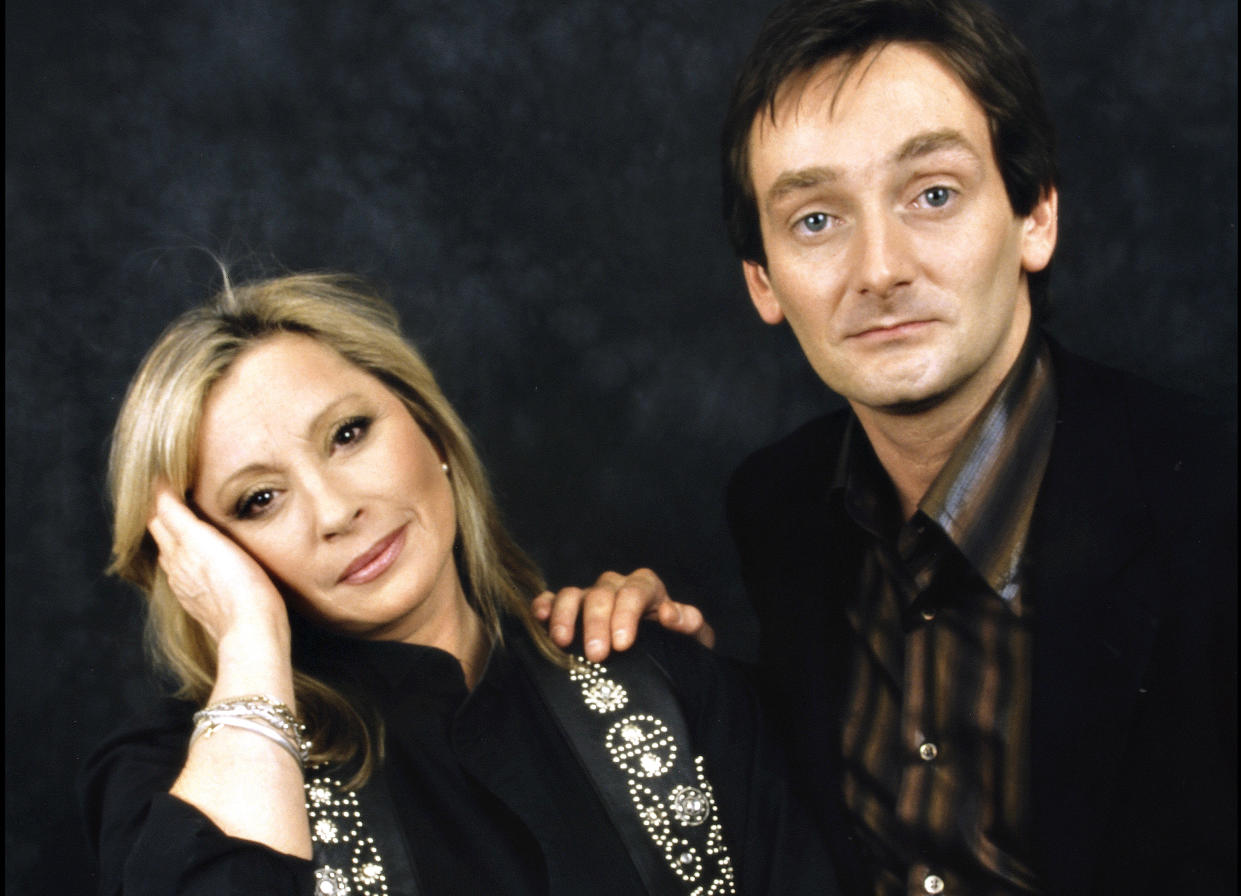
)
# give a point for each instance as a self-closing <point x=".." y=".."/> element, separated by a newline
<point x="259" y="714"/>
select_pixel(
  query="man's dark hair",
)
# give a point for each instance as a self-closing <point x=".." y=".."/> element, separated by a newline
<point x="965" y="35"/>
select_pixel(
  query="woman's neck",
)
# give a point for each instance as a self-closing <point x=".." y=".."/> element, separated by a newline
<point x="455" y="628"/>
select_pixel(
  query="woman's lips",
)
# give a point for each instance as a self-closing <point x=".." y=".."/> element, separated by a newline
<point x="375" y="561"/>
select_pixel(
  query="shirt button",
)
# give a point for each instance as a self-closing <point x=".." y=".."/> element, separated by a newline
<point x="929" y="751"/>
<point x="933" y="883"/>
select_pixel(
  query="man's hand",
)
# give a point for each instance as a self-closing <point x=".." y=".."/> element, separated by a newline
<point x="611" y="610"/>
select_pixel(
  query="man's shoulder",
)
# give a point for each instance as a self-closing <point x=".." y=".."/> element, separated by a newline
<point x="1159" y="428"/>
<point x="802" y="459"/>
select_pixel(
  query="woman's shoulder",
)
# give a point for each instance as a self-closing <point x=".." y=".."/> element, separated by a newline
<point x="703" y="680"/>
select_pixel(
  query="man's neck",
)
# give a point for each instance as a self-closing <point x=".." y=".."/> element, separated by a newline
<point x="913" y="447"/>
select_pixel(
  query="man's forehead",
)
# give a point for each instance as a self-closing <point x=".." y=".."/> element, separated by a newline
<point x="910" y="103"/>
<point x="829" y="79"/>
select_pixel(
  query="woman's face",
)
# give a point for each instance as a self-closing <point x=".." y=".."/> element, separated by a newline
<point x="321" y="473"/>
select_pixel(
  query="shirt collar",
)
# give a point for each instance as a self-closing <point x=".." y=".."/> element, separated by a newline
<point x="984" y="496"/>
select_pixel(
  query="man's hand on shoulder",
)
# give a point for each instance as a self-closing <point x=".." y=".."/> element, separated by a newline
<point x="611" y="609"/>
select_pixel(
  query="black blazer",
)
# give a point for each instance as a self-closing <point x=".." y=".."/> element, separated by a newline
<point x="1132" y="557"/>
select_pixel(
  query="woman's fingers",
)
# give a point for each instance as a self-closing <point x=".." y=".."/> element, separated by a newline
<point x="213" y="577"/>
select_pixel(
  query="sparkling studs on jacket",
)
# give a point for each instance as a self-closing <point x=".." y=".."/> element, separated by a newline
<point x="348" y="859"/>
<point x="643" y="747"/>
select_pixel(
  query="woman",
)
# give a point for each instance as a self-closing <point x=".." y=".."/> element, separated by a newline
<point x="366" y="702"/>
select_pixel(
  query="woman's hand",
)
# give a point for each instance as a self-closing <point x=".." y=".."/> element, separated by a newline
<point x="247" y="784"/>
<point x="215" y="580"/>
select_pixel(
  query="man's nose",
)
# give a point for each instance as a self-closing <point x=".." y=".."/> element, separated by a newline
<point x="882" y="261"/>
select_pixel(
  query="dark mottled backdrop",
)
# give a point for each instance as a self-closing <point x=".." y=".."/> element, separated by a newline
<point x="536" y="185"/>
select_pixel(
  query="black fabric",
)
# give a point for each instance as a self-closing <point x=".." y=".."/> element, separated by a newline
<point x="586" y="729"/>
<point x="489" y="796"/>
<point x="1132" y="557"/>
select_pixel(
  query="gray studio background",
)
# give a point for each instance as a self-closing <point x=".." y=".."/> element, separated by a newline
<point x="536" y="186"/>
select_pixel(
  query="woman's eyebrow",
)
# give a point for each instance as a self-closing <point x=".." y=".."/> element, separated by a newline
<point x="316" y="425"/>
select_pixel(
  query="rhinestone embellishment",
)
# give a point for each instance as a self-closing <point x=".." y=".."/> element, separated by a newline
<point x="641" y="745"/>
<point x="331" y="881"/>
<point x="689" y="805"/>
<point x="605" y="695"/>
<point x="602" y="694"/>
<point x="645" y="749"/>
<point x="349" y="861"/>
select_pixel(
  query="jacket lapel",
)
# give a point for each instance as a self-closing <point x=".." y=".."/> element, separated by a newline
<point x="1096" y="615"/>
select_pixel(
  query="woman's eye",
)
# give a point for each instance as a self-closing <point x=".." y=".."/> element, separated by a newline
<point x="937" y="197"/>
<point x="816" y="222"/>
<point x="254" y="503"/>
<point x="351" y="431"/>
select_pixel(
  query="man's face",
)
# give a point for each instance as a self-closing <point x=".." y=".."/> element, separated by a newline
<point x="892" y="249"/>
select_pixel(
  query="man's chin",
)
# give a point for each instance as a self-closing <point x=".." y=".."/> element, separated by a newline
<point x="911" y="407"/>
<point x="907" y="393"/>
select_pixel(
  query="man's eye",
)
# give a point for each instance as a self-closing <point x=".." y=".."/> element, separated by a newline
<point x="937" y="197"/>
<point x="815" y="222"/>
<point x="351" y="431"/>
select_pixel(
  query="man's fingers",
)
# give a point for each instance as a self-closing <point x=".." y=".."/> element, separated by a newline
<point x="597" y="622"/>
<point x="638" y="598"/>
<point x="688" y="620"/>
<point x="609" y="581"/>
<point x="610" y="611"/>
<point x="541" y="606"/>
<point x="563" y="615"/>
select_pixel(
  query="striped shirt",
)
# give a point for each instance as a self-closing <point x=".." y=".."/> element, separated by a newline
<point x="935" y="743"/>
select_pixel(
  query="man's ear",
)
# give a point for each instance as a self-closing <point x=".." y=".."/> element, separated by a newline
<point x="761" y="293"/>
<point x="1038" y="232"/>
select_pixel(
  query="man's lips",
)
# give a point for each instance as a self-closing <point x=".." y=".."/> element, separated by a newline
<point x="890" y="330"/>
<point x="375" y="560"/>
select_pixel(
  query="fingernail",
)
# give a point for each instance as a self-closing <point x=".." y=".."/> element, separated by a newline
<point x="594" y="647"/>
<point x="623" y="638"/>
<point x="560" y="631"/>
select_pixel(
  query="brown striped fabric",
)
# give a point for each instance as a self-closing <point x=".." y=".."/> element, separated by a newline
<point x="935" y="745"/>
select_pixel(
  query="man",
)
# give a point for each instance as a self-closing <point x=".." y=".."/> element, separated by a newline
<point x="996" y="594"/>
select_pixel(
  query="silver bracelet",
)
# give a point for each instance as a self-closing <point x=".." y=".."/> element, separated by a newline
<point x="208" y="726"/>
<point x="277" y="714"/>
<point x="272" y="718"/>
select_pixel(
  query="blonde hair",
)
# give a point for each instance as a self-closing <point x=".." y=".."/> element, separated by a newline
<point x="156" y="438"/>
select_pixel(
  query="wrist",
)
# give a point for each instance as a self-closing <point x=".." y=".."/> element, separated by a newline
<point x="255" y="660"/>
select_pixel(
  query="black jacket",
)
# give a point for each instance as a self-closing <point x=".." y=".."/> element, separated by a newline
<point x="477" y="787"/>
<point x="1132" y="554"/>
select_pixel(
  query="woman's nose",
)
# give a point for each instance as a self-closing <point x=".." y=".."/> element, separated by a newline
<point x="336" y="510"/>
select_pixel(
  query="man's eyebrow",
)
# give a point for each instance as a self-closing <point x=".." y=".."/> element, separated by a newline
<point x="801" y="179"/>
<point x="915" y="147"/>
<point x="929" y="142"/>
